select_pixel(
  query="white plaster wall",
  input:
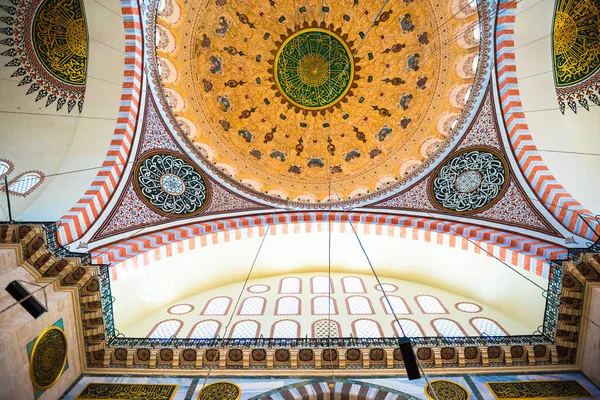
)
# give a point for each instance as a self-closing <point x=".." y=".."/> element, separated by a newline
<point x="34" y="137"/>
<point x="551" y="131"/>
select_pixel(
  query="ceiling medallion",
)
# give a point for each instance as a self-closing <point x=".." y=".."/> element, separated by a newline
<point x="446" y="390"/>
<point x="221" y="390"/>
<point x="48" y="358"/>
<point x="170" y="184"/>
<point x="314" y="68"/>
<point x="470" y="181"/>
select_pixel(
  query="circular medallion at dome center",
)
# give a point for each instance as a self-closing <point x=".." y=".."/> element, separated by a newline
<point x="313" y="69"/>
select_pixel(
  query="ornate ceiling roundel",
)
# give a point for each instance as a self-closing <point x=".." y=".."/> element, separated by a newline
<point x="280" y="97"/>
<point x="171" y="185"/>
<point x="470" y="181"/>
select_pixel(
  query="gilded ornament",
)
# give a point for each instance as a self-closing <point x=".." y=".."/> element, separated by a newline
<point x="128" y="391"/>
<point x="446" y="390"/>
<point x="48" y="358"/>
<point x="538" y="390"/>
<point x="220" y="391"/>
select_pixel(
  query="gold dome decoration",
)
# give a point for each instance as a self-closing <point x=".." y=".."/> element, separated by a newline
<point x="48" y="358"/>
<point x="254" y="127"/>
<point x="221" y="390"/>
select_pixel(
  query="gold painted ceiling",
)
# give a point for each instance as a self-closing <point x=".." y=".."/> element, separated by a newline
<point x="283" y="96"/>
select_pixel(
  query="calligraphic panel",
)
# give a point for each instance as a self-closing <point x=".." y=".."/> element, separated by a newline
<point x="130" y="391"/>
<point x="538" y="390"/>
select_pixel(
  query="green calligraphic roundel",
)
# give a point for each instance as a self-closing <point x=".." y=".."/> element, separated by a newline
<point x="314" y="69"/>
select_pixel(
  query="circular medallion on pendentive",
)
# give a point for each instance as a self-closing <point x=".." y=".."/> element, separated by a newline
<point x="446" y="390"/>
<point x="48" y="358"/>
<point x="470" y="181"/>
<point x="170" y="184"/>
<point x="314" y="68"/>
<point x="220" y="391"/>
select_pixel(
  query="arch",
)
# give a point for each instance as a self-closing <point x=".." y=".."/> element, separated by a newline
<point x="320" y="328"/>
<point x="245" y="329"/>
<point x="25" y="183"/>
<point x="285" y="329"/>
<point x="288" y="305"/>
<point x="165" y="40"/>
<point x="366" y="328"/>
<point x="318" y="285"/>
<point x="466" y="66"/>
<point x="447" y="328"/>
<point x="399" y="305"/>
<point x="459" y="95"/>
<point x="165" y="329"/>
<point x="359" y="305"/>
<point x="353" y="284"/>
<point x="206" y="329"/>
<point x="290" y="285"/>
<point x="320" y="306"/>
<point x="410" y="327"/>
<point x="254" y="305"/>
<point x="487" y="327"/>
<point x="430" y="304"/>
<point x="217" y="306"/>
<point x="6" y="167"/>
<point x="180" y="309"/>
<point x="167" y="70"/>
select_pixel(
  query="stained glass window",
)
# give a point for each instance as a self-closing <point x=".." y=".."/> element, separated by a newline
<point x="398" y="305"/>
<point x="217" y="306"/>
<point x="324" y="328"/>
<point x="166" y="329"/>
<point x="288" y="306"/>
<point x="245" y="330"/>
<point x="286" y="329"/>
<point x="253" y="306"/>
<point x="487" y="327"/>
<point x="447" y="327"/>
<point x="321" y="284"/>
<point x="353" y="284"/>
<point x="323" y="305"/>
<point x="410" y="328"/>
<point x="359" y="305"/>
<point x="430" y="305"/>
<point x="205" y="330"/>
<point x="290" y="285"/>
<point x="365" y="328"/>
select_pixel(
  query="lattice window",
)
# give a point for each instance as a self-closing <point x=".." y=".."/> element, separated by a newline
<point x="321" y="284"/>
<point x="286" y="329"/>
<point x="398" y="305"/>
<point x="258" y="288"/>
<point x="323" y="305"/>
<point x="205" y="330"/>
<point x="253" y="306"/>
<point x="487" y="327"/>
<point x="180" y="309"/>
<point x="324" y="328"/>
<point x="468" y="307"/>
<point x="217" y="306"/>
<point x="166" y="329"/>
<point x="288" y="306"/>
<point x="290" y="285"/>
<point x="5" y="167"/>
<point x="447" y="328"/>
<point x="410" y="327"/>
<point x="430" y="305"/>
<point x="365" y="328"/>
<point x="353" y="284"/>
<point x="359" y="305"/>
<point x="245" y="330"/>
<point x="387" y="287"/>
<point x="25" y="183"/>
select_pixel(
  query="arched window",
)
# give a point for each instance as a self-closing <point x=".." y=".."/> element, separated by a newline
<point x="205" y="330"/>
<point x="217" y="306"/>
<point x="475" y="61"/>
<point x="290" y="285"/>
<point x="253" y="306"/>
<point x="447" y="328"/>
<point x="323" y="305"/>
<point x="430" y="305"/>
<point x="161" y="5"/>
<point x="453" y="125"/>
<point x="410" y="328"/>
<point x="6" y="167"/>
<point x="326" y="328"/>
<point x="467" y="95"/>
<point x="398" y="305"/>
<point x="285" y="329"/>
<point x="487" y="327"/>
<point x="166" y="329"/>
<point x="476" y="33"/>
<point x="245" y="330"/>
<point x="359" y="305"/>
<point x="353" y="284"/>
<point x="365" y="328"/>
<point x="321" y="284"/>
<point x="179" y="309"/>
<point x="25" y="183"/>
<point x="288" y="305"/>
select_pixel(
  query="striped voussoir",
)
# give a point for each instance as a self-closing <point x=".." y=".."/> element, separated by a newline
<point x="83" y="214"/>
<point x="528" y="253"/>
<point x="553" y="196"/>
<point x="345" y="390"/>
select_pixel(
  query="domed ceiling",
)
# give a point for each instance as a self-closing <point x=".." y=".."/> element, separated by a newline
<point x="281" y="97"/>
